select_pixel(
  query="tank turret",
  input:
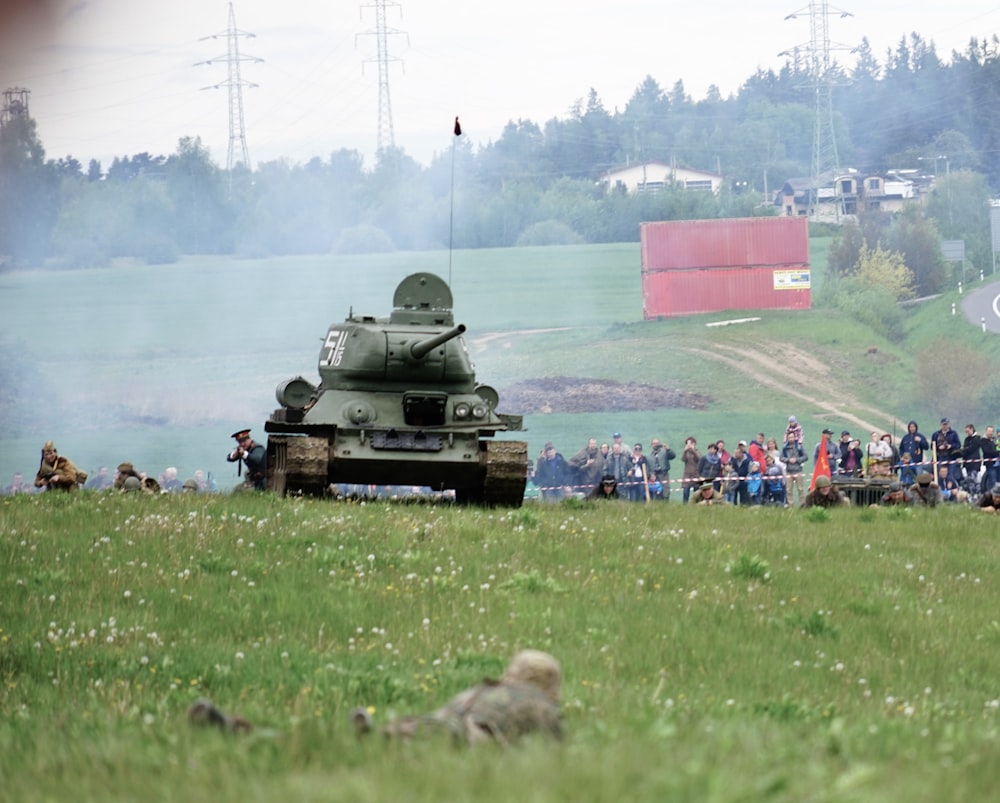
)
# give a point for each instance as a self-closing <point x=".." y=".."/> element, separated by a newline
<point x="397" y="404"/>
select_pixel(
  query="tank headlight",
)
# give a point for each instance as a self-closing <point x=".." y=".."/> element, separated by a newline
<point x="480" y="411"/>
<point x="462" y="410"/>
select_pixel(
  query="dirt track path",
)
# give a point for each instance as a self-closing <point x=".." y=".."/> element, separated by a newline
<point x="773" y="364"/>
<point x="797" y="373"/>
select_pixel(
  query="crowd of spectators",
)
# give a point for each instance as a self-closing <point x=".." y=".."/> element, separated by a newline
<point x="775" y="471"/>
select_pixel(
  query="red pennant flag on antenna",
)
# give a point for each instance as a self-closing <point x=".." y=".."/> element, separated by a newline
<point x="458" y="128"/>
<point x="822" y="468"/>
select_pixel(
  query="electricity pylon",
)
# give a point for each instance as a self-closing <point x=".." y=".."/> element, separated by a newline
<point x="235" y="83"/>
<point x="15" y="105"/>
<point x="825" y="159"/>
<point x="386" y="138"/>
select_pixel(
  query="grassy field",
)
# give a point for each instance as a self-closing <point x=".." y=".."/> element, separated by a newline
<point x="708" y="654"/>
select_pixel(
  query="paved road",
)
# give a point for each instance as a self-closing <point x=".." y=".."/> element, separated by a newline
<point x="984" y="305"/>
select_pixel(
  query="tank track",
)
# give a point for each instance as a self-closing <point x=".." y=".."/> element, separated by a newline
<point x="300" y="466"/>
<point x="297" y="466"/>
<point x="506" y="473"/>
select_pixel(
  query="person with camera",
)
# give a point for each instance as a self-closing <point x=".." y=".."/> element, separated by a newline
<point x="659" y="468"/>
<point x="587" y="466"/>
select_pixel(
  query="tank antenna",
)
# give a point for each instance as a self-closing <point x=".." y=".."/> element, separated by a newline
<point x="451" y="215"/>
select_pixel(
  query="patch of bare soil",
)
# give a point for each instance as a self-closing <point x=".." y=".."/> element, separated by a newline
<point x="784" y="367"/>
<point x="565" y="394"/>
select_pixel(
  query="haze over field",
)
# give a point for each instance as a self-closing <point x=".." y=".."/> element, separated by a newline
<point x="115" y="77"/>
<point x="157" y="365"/>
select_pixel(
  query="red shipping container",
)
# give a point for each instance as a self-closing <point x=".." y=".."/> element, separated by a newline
<point x="691" y="267"/>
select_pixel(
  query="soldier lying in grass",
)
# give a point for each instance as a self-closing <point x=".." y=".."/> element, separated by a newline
<point x="525" y="700"/>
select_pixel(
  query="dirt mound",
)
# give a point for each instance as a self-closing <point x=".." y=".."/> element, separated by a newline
<point x="566" y="394"/>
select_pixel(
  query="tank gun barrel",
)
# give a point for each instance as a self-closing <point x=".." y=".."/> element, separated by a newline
<point x="422" y="348"/>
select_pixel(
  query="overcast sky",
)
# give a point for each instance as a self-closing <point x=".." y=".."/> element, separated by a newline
<point x="118" y="77"/>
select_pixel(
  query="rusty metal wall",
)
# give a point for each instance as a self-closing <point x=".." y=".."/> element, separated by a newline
<point x="697" y="266"/>
<point x="693" y="292"/>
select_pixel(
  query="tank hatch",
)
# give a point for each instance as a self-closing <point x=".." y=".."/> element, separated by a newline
<point x="422" y="298"/>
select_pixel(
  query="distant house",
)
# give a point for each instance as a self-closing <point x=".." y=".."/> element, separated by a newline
<point x="656" y="176"/>
<point x="847" y="193"/>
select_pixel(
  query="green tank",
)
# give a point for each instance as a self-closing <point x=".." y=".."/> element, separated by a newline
<point x="397" y="404"/>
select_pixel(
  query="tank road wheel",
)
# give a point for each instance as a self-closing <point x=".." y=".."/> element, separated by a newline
<point x="506" y="473"/>
<point x="298" y="465"/>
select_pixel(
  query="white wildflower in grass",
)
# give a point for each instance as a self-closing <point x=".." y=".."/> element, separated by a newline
<point x="240" y="656"/>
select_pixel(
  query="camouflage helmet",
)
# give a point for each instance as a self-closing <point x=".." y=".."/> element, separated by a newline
<point x="538" y="669"/>
<point x="190" y="484"/>
<point x="132" y="484"/>
<point x="822" y="481"/>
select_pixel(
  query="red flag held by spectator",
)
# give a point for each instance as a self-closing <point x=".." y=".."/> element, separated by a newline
<point x="822" y="462"/>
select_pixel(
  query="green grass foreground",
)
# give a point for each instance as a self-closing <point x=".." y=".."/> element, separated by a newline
<point x="708" y="654"/>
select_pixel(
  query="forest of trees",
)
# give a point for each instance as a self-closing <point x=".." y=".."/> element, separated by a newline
<point x="537" y="183"/>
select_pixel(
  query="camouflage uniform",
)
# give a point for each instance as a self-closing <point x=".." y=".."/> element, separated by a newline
<point x="525" y="700"/>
